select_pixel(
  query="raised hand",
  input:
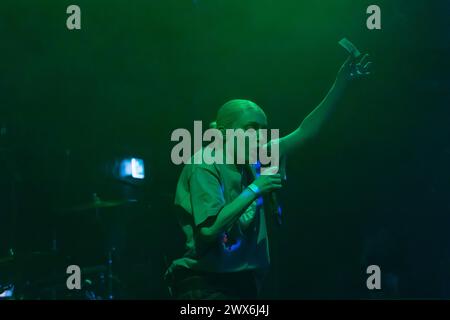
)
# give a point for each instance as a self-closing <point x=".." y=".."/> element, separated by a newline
<point x="353" y="69"/>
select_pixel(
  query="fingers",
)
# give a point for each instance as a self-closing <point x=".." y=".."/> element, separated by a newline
<point x="361" y="69"/>
<point x="364" y="59"/>
<point x="270" y="171"/>
<point x="367" y="67"/>
<point x="276" y="182"/>
<point x="276" y="178"/>
<point x="277" y="185"/>
<point x="268" y="183"/>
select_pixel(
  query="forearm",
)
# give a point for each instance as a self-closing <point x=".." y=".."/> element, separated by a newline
<point x="313" y="123"/>
<point x="351" y="69"/>
<point x="228" y="216"/>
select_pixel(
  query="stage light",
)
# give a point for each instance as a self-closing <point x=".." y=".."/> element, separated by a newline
<point x="137" y="168"/>
<point x="7" y="293"/>
<point x="133" y="168"/>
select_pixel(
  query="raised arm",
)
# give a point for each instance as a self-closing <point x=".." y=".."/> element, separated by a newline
<point x="309" y="128"/>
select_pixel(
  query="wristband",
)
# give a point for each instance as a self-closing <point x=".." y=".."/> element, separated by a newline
<point x="253" y="187"/>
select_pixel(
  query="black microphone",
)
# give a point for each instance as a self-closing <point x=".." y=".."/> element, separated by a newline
<point x="272" y="197"/>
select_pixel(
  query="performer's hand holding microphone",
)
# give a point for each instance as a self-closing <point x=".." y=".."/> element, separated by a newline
<point x="266" y="183"/>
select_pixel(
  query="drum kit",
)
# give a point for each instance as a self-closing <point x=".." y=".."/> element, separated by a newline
<point x="90" y="235"/>
<point x="43" y="276"/>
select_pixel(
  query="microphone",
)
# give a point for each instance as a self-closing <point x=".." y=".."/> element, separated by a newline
<point x="275" y="207"/>
<point x="272" y="198"/>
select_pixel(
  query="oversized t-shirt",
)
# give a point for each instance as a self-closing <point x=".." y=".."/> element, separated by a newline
<point x="202" y="191"/>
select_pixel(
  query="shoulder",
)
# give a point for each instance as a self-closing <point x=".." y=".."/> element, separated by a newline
<point x="201" y="169"/>
<point x="195" y="166"/>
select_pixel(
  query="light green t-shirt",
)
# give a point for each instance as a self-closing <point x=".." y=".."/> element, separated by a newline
<point x="202" y="191"/>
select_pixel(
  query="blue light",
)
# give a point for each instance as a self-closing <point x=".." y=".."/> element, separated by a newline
<point x="235" y="246"/>
<point x="137" y="168"/>
<point x="227" y="247"/>
<point x="132" y="168"/>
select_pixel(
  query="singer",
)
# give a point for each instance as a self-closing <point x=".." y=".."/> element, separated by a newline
<point x="222" y="206"/>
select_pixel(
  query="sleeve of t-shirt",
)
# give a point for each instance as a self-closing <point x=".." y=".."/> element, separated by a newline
<point x="206" y="194"/>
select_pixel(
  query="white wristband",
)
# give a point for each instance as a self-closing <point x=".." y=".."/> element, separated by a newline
<point x="254" y="188"/>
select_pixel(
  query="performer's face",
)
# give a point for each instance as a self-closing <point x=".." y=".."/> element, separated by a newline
<point x="251" y="119"/>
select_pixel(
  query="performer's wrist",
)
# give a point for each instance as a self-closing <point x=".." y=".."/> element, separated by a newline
<point x="254" y="189"/>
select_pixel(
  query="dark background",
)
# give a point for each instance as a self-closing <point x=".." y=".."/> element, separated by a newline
<point x="372" y="189"/>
